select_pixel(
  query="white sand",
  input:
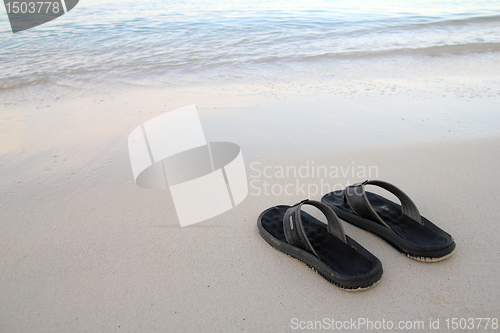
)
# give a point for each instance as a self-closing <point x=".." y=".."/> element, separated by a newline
<point x="83" y="249"/>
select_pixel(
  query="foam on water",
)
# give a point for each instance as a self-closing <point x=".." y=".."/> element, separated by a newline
<point x="103" y="41"/>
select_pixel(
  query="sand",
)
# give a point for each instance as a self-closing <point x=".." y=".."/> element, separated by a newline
<point x="83" y="249"/>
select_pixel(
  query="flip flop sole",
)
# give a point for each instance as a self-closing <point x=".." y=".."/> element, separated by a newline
<point x="350" y="267"/>
<point x="423" y="243"/>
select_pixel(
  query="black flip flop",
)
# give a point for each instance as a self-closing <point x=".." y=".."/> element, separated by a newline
<point x="324" y="248"/>
<point x="402" y="226"/>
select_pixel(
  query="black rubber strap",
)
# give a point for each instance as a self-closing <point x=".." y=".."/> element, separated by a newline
<point x="356" y="197"/>
<point x="294" y="229"/>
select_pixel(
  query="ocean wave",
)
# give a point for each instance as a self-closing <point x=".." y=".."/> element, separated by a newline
<point x="440" y="50"/>
<point x="418" y="23"/>
<point x="15" y="83"/>
<point x="201" y="67"/>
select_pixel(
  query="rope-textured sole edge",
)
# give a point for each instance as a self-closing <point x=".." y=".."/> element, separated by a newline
<point x="429" y="259"/>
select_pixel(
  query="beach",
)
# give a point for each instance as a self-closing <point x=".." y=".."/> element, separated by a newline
<point x="84" y="249"/>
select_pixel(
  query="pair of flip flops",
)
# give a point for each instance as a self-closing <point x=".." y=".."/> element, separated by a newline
<point x="336" y="256"/>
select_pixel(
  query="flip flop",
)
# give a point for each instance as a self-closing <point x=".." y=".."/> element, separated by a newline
<point x="324" y="248"/>
<point x="402" y="226"/>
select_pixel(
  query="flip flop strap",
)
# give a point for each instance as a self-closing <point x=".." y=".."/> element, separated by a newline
<point x="357" y="199"/>
<point x="294" y="229"/>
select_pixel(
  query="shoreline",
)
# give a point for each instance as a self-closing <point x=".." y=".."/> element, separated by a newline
<point x="461" y="74"/>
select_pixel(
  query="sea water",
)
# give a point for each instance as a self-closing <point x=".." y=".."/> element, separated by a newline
<point x="126" y="41"/>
